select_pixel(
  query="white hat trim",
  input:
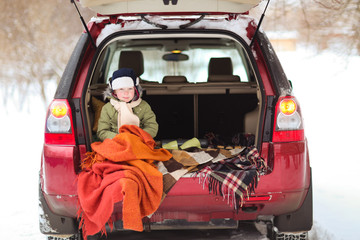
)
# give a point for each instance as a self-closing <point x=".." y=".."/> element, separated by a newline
<point x="122" y="82"/>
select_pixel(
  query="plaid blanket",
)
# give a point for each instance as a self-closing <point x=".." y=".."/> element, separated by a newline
<point x="233" y="174"/>
<point x="235" y="177"/>
<point x="189" y="160"/>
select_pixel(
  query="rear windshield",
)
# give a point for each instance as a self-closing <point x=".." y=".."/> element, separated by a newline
<point x="194" y="58"/>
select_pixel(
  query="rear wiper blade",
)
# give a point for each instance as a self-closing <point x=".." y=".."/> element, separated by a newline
<point x="183" y="26"/>
<point x="162" y="26"/>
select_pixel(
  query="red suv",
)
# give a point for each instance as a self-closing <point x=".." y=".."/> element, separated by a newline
<point x="207" y="69"/>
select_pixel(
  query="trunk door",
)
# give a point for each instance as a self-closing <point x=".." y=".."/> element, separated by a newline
<point x="112" y="7"/>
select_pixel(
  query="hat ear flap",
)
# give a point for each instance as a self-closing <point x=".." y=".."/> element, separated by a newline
<point x="137" y="94"/>
<point x="110" y="80"/>
<point x="137" y="81"/>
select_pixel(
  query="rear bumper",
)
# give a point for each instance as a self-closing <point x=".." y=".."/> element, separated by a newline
<point x="279" y="192"/>
<point x="206" y="207"/>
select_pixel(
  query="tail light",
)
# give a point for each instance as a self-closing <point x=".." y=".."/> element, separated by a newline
<point x="59" y="128"/>
<point x="288" y="124"/>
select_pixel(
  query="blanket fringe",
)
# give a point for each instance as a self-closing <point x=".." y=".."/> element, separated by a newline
<point x="81" y="220"/>
<point x="90" y="159"/>
<point x="235" y="197"/>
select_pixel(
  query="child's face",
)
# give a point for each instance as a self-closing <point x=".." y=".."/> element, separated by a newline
<point x="125" y="94"/>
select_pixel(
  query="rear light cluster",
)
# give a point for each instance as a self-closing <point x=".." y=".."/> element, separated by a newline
<point x="58" y="120"/>
<point x="288" y="124"/>
<point x="59" y="129"/>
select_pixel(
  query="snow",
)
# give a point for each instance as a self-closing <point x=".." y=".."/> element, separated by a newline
<point x="111" y="7"/>
<point x="327" y="87"/>
<point x="282" y="35"/>
<point x="236" y="25"/>
<point x="325" y="84"/>
<point x="21" y="140"/>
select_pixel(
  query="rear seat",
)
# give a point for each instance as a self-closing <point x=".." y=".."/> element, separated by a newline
<point x="221" y="70"/>
<point x="135" y="61"/>
<point x="132" y="59"/>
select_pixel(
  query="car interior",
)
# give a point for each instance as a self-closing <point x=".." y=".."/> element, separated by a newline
<point x="195" y="86"/>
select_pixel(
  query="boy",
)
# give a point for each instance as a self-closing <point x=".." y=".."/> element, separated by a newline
<point x="125" y="106"/>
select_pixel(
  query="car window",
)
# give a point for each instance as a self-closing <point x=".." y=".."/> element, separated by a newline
<point x="194" y="66"/>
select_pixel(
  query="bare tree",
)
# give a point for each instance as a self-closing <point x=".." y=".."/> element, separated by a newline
<point x="36" y="39"/>
<point x="327" y="24"/>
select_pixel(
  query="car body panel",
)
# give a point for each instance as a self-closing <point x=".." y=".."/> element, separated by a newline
<point x="58" y="170"/>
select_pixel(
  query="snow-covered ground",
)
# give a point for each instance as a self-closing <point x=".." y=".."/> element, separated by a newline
<point x="327" y="87"/>
<point x="22" y="135"/>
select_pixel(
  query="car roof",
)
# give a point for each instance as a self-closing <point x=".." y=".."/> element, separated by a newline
<point x="116" y="7"/>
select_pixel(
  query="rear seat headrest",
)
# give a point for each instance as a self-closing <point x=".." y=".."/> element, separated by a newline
<point x="220" y="66"/>
<point x="221" y="70"/>
<point x="174" y="79"/>
<point x="132" y="59"/>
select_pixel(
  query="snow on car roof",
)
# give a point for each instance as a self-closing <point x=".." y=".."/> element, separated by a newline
<point x="237" y="25"/>
<point x="112" y="7"/>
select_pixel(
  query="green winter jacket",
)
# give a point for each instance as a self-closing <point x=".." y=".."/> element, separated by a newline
<point x="108" y="128"/>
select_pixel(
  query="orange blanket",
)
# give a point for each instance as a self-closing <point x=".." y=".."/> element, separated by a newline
<point x="120" y="169"/>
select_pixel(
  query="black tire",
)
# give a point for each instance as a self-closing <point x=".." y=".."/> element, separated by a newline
<point x="73" y="237"/>
<point x="274" y="234"/>
<point x="290" y="236"/>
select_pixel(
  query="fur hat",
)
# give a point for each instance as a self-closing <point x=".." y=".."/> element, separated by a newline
<point x="124" y="78"/>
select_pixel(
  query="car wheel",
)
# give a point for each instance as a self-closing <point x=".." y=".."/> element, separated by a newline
<point x="291" y="236"/>
<point x="73" y="237"/>
<point x="273" y="234"/>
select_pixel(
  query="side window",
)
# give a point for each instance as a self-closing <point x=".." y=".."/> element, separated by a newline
<point x="113" y="64"/>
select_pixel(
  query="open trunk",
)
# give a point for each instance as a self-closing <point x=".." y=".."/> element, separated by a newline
<point x="199" y="83"/>
<point x="195" y="85"/>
